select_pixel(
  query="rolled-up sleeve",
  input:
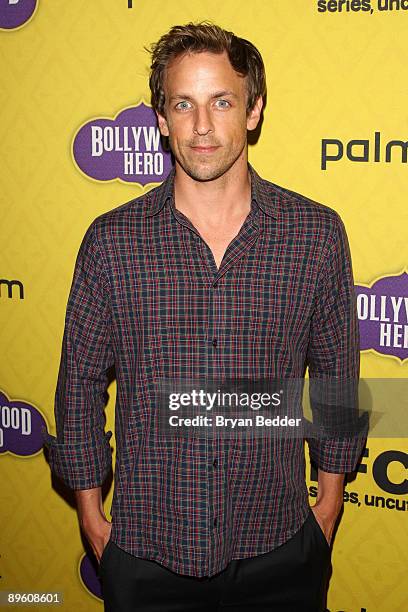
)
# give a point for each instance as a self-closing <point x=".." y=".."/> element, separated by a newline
<point x="80" y="454"/>
<point x="333" y="359"/>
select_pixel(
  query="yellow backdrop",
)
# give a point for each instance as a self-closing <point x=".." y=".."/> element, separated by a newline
<point x="336" y="73"/>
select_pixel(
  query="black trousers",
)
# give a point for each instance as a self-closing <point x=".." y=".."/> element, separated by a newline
<point x="290" y="578"/>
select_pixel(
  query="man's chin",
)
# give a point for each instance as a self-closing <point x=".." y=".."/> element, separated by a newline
<point x="205" y="173"/>
<point x="204" y="177"/>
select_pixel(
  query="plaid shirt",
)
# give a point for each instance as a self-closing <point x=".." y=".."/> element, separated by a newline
<point x="147" y="298"/>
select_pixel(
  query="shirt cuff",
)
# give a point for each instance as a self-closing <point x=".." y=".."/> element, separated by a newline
<point x="337" y="455"/>
<point x="80" y="465"/>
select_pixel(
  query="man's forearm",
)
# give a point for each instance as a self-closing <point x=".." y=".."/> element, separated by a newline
<point x="329" y="501"/>
<point x="89" y="505"/>
<point x="92" y="518"/>
<point x="330" y="492"/>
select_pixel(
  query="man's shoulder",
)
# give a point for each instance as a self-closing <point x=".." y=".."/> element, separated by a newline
<point x="126" y="215"/>
<point x="296" y="208"/>
<point x="131" y="208"/>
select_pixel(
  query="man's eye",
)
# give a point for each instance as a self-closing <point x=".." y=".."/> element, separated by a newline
<point x="183" y="105"/>
<point x="223" y="103"/>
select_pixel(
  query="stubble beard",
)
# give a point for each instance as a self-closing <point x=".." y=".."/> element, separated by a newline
<point x="208" y="170"/>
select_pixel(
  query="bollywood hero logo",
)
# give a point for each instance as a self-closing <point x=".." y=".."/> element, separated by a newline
<point x="20" y="427"/>
<point x="383" y="314"/>
<point x="128" y="148"/>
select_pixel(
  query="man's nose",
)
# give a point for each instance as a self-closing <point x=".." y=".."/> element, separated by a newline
<point x="202" y="121"/>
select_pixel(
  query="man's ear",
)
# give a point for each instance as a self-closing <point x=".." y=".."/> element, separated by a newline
<point x="255" y="114"/>
<point x="163" y="127"/>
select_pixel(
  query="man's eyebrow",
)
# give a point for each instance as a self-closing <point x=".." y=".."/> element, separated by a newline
<point x="224" y="92"/>
<point x="216" y="94"/>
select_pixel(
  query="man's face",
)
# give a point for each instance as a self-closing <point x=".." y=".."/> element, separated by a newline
<point x="205" y="114"/>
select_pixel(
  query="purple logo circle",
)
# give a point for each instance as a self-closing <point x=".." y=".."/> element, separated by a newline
<point x="89" y="576"/>
<point x="13" y="13"/>
<point x="20" y="427"/>
<point x="128" y="147"/>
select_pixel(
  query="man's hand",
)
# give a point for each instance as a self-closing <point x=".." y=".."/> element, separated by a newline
<point x="326" y="522"/>
<point x="329" y="501"/>
<point x="92" y="519"/>
<point x="98" y="533"/>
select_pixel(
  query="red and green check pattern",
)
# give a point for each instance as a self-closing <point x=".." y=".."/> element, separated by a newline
<point x="148" y="299"/>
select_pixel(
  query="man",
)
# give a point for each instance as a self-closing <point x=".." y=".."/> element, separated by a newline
<point x="217" y="274"/>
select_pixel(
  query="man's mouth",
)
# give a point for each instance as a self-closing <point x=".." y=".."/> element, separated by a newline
<point x="205" y="149"/>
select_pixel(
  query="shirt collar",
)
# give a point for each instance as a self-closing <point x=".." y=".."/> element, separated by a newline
<point x="261" y="194"/>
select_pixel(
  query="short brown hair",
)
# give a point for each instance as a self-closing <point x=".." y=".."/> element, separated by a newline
<point x="205" y="36"/>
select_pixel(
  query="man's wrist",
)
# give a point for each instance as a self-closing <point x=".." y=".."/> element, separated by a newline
<point x="329" y="509"/>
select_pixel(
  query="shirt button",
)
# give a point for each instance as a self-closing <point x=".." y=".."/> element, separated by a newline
<point x="214" y="341"/>
<point x="215" y="522"/>
<point x="215" y="462"/>
<point x="215" y="285"/>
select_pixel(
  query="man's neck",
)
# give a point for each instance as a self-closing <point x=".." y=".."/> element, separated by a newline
<point x="214" y="202"/>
